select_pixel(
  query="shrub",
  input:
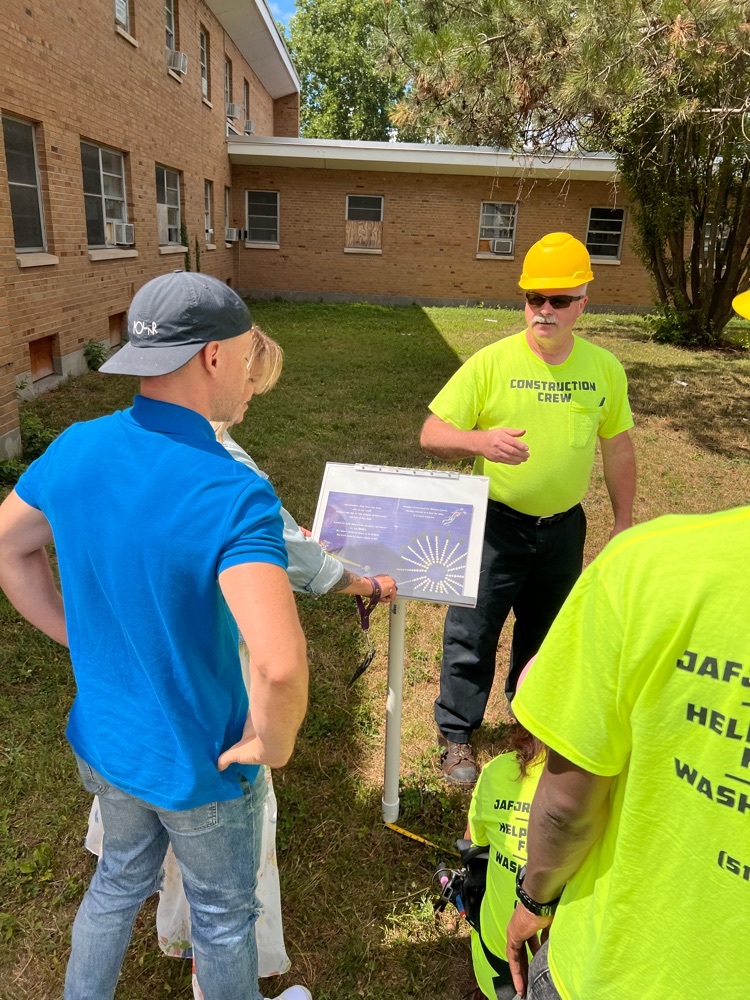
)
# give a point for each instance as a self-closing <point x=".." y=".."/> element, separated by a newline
<point x="34" y="435"/>
<point x="95" y="354"/>
<point x="11" y="471"/>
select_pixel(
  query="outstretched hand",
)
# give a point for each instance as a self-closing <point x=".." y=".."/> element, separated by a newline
<point x="502" y="444"/>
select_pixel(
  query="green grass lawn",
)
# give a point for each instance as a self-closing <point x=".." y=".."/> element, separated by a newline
<point x="356" y="896"/>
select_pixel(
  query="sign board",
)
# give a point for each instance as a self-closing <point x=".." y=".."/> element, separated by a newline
<point x="423" y="527"/>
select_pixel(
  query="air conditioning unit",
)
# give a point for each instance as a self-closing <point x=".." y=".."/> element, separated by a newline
<point x="502" y="246"/>
<point x="250" y="127"/>
<point x="232" y="235"/>
<point x="209" y="236"/>
<point x="177" y="61"/>
<point x="123" y="234"/>
<point x="233" y="111"/>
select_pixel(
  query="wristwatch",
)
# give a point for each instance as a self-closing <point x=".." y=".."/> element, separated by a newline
<point x="539" y="909"/>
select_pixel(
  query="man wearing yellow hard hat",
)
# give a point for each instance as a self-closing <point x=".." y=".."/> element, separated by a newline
<point x="529" y="409"/>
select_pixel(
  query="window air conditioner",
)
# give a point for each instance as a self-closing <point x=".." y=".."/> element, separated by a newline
<point x="233" y="111"/>
<point x="123" y="234"/>
<point x="502" y="246"/>
<point x="250" y="127"/>
<point x="177" y="61"/>
<point x="232" y="236"/>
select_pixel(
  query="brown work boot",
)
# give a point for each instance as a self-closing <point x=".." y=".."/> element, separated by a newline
<point x="457" y="763"/>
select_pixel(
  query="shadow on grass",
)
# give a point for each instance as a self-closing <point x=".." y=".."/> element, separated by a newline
<point x="704" y="399"/>
<point x="356" y="385"/>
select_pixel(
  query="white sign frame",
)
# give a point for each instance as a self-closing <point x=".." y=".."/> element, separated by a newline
<point x="368" y="494"/>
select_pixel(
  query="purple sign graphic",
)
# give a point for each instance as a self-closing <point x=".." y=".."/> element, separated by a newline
<point x="422" y="544"/>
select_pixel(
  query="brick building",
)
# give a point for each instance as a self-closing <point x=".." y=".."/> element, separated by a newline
<point x="131" y="125"/>
<point x="404" y="223"/>
<point x="115" y="115"/>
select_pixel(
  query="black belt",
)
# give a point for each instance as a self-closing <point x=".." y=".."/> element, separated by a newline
<point x="502" y="508"/>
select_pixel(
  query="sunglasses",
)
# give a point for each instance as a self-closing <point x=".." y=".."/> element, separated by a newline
<point x="536" y="300"/>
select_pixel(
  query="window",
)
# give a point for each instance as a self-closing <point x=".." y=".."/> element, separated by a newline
<point x="122" y="14"/>
<point x="604" y="235"/>
<point x="720" y="239"/>
<point x="262" y="216"/>
<point x="364" y="222"/>
<point x="497" y="228"/>
<point x="227" y="203"/>
<point x="227" y="83"/>
<point x="103" y="194"/>
<point x="23" y="183"/>
<point x="245" y="103"/>
<point x="208" y="209"/>
<point x="168" y="205"/>
<point x="170" y="21"/>
<point x="205" y="44"/>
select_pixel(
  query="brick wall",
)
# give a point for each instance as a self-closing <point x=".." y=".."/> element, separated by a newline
<point x="66" y="67"/>
<point x="429" y="237"/>
<point x="286" y="116"/>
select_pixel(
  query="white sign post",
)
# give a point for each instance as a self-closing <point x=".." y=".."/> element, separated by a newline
<point x="425" y="528"/>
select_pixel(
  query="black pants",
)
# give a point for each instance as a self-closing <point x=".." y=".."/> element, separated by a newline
<point x="528" y="567"/>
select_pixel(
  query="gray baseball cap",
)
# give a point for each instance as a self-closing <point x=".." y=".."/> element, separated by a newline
<point x="172" y="317"/>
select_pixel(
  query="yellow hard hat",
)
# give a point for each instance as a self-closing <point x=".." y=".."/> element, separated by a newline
<point x="741" y="304"/>
<point x="557" y="260"/>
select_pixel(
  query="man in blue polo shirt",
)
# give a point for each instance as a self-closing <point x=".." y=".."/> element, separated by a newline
<point x="163" y="543"/>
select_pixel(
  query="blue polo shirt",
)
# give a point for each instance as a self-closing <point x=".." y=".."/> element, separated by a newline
<point x="146" y="510"/>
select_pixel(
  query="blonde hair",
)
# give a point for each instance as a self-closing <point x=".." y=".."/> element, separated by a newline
<point x="266" y="360"/>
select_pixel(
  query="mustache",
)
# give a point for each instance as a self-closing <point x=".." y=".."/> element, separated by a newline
<point x="546" y="320"/>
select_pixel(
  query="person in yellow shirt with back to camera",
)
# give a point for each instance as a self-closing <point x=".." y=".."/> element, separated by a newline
<point x="639" y="832"/>
<point x="529" y="409"/>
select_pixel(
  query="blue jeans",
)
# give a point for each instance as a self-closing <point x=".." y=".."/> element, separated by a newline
<point x="541" y="986"/>
<point x="217" y="847"/>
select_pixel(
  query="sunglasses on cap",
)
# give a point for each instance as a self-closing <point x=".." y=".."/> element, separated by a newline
<point x="536" y="299"/>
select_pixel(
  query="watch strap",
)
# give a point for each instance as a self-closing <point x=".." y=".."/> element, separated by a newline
<point x="539" y="909"/>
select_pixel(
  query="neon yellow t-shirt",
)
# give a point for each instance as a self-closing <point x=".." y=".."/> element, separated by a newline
<point x="562" y="408"/>
<point x="645" y="674"/>
<point x="498" y="816"/>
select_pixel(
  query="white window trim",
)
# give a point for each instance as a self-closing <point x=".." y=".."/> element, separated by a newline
<point x="203" y="45"/>
<point x="382" y="206"/>
<point x="119" y="30"/>
<point x="170" y="36"/>
<point x="208" y="211"/>
<point x="607" y="260"/>
<point x="485" y="254"/>
<point x="43" y="248"/>
<point x="35" y="259"/>
<point x="227" y="210"/>
<point x="112" y="253"/>
<point x="167" y="246"/>
<point x="117" y="152"/>
<point x="270" y="244"/>
<point x="228" y="84"/>
<point x="125" y="25"/>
